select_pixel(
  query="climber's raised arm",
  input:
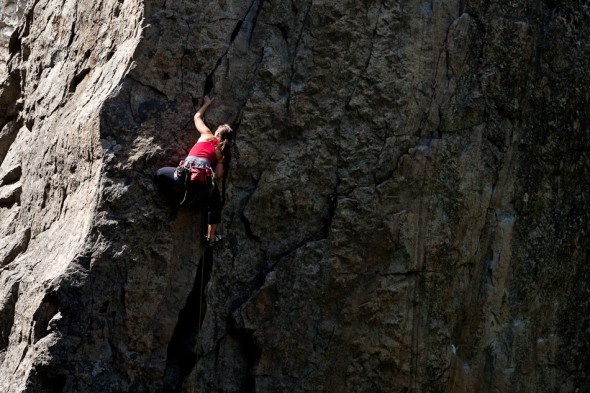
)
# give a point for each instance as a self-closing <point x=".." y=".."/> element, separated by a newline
<point x="199" y="121"/>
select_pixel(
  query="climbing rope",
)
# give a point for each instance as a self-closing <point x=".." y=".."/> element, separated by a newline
<point x="202" y="291"/>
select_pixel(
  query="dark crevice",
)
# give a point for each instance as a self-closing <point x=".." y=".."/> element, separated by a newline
<point x="48" y="308"/>
<point x="300" y="35"/>
<point x="294" y="55"/>
<point x="159" y="92"/>
<point x="46" y="191"/>
<point x="252" y="17"/>
<point x="251" y="353"/>
<point x="72" y="34"/>
<point x="236" y="30"/>
<point x="249" y="19"/>
<point x="29" y="18"/>
<point x="7" y="137"/>
<point x="248" y="228"/>
<point x="11" y="195"/>
<point x="243" y="218"/>
<point x="24" y="354"/>
<point x="235" y="125"/>
<point x="79" y="77"/>
<point x="209" y="79"/>
<point x="312" y="238"/>
<point x="25" y="51"/>
<point x="117" y="10"/>
<point x="258" y="282"/>
<point x="235" y="321"/>
<point x="63" y="194"/>
<point x="182" y="349"/>
<point x="11" y="175"/>
<point x="10" y="93"/>
<point x="284" y="32"/>
<point x="47" y="379"/>
<point x="15" y="43"/>
<point x="19" y="245"/>
<point x="30" y="123"/>
<point x="7" y="313"/>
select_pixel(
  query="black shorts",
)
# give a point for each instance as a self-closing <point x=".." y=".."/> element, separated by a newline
<point x="177" y="192"/>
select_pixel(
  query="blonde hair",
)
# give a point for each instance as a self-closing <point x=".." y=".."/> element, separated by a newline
<point x="226" y="135"/>
<point x="226" y="139"/>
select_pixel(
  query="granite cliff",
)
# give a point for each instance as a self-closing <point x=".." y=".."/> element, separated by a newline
<point x="407" y="208"/>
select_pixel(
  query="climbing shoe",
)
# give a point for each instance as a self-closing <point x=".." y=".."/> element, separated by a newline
<point x="213" y="241"/>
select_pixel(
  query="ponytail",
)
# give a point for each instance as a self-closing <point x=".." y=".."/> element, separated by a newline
<point x="226" y="139"/>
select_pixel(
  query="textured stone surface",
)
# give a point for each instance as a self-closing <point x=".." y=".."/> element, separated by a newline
<point x="407" y="208"/>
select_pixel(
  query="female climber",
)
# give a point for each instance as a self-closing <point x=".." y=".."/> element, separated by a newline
<point x="210" y="155"/>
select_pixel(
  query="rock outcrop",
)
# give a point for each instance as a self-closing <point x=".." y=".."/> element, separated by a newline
<point x="407" y="207"/>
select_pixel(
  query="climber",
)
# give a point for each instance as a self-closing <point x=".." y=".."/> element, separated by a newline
<point x="206" y="164"/>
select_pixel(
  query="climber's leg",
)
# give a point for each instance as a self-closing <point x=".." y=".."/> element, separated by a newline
<point x="169" y="184"/>
<point x="213" y="215"/>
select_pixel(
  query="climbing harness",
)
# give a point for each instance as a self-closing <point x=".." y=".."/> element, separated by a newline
<point x="196" y="171"/>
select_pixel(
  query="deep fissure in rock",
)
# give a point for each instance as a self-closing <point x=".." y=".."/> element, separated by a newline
<point x="7" y="313"/>
<point x="48" y="380"/>
<point x="251" y="354"/>
<point x="250" y="19"/>
<point x="182" y="349"/>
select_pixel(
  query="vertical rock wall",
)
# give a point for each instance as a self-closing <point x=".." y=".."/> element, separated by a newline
<point x="64" y="60"/>
<point x="407" y="205"/>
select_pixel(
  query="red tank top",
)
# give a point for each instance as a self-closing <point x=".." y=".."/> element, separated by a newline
<point x="206" y="150"/>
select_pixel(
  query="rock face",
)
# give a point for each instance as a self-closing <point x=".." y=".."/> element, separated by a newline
<point x="407" y="207"/>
